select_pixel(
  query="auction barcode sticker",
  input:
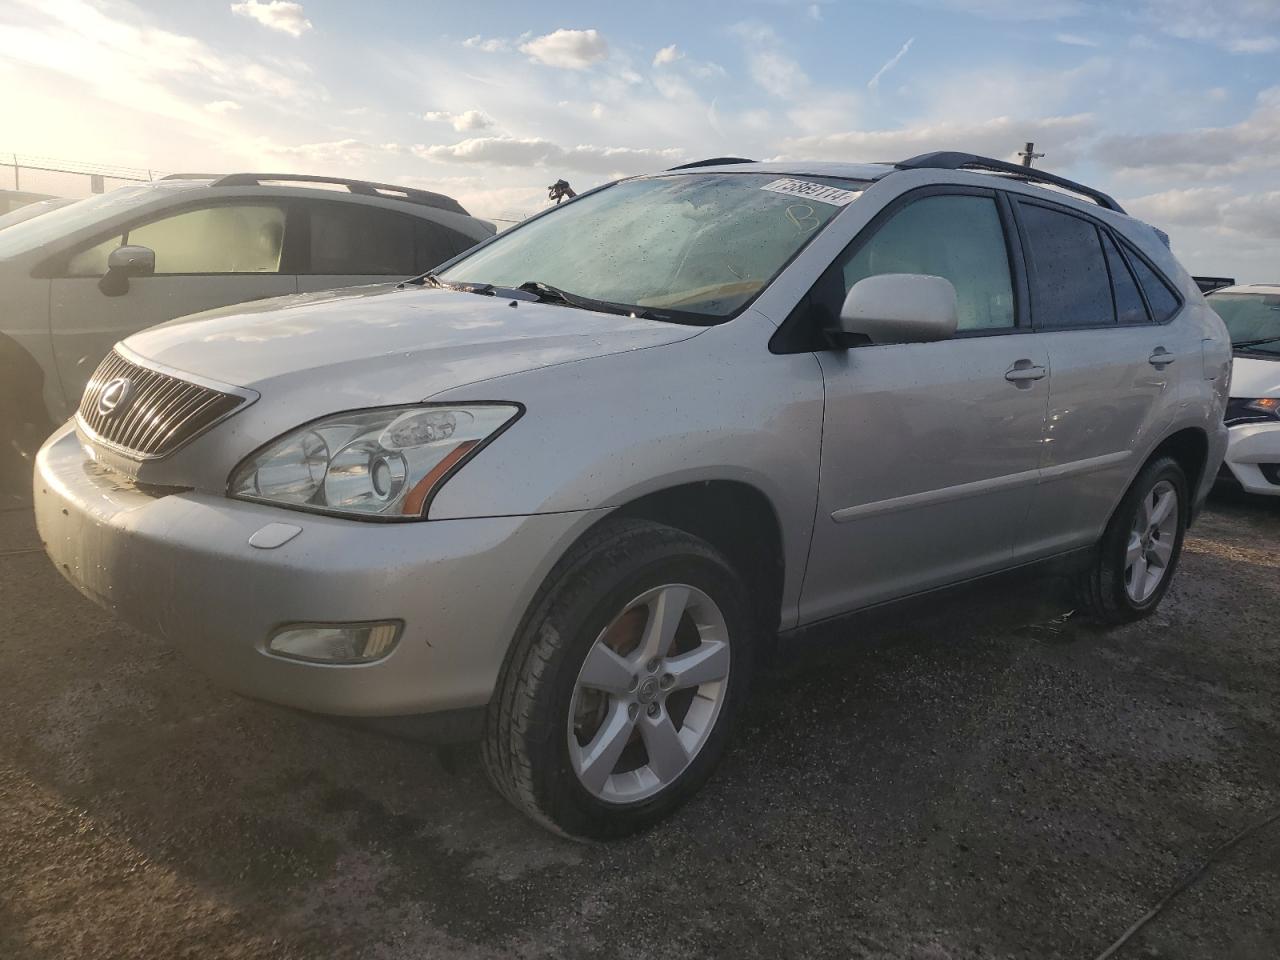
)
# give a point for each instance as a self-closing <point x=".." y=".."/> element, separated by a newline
<point x="813" y="191"/>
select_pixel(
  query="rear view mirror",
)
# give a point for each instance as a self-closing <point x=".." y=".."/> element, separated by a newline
<point x="123" y="263"/>
<point x="898" y="308"/>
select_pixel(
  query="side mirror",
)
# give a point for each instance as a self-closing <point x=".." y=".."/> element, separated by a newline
<point x="898" y="308"/>
<point x="123" y="263"/>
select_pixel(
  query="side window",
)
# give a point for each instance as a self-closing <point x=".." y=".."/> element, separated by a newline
<point x="1163" y="302"/>
<point x="956" y="237"/>
<point x="93" y="261"/>
<point x="1070" y="286"/>
<point x="227" y="238"/>
<point x="434" y="244"/>
<point x="1129" y="306"/>
<point x="358" y="240"/>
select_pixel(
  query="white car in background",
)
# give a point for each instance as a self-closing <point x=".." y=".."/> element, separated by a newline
<point x="1252" y="315"/>
<point x="75" y="280"/>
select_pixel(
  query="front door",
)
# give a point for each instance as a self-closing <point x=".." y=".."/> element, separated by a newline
<point x="930" y="451"/>
<point x="206" y="257"/>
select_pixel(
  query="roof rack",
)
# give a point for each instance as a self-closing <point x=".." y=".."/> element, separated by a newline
<point x="952" y="160"/>
<point x="710" y="162"/>
<point x="364" y="188"/>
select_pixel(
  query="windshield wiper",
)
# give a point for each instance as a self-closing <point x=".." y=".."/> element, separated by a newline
<point x="431" y="280"/>
<point x="546" y="293"/>
<point x="1254" y="343"/>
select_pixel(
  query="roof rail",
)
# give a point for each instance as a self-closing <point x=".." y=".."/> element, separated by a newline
<point x="710" y="162"/>
<point x="952" y="160"/>
<point x="364" y="188"/>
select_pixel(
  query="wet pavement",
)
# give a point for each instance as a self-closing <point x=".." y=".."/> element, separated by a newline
<point x="993" y="780"/>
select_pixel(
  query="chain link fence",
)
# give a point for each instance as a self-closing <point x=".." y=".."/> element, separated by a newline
<point x="28" y="173"/>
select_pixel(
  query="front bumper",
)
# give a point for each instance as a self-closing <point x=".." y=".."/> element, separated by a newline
<point x="181" y="566"/>
<point x="1249" y="446"/>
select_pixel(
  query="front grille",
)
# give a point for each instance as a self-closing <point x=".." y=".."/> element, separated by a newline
<point x="159" y="413"/>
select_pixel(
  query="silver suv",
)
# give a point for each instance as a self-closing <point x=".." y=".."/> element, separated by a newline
<point x="76" y="279"/>
<point x="558" y="494"/>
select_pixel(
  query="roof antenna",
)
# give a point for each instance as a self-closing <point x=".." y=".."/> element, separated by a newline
<point x="1029" y="154"/>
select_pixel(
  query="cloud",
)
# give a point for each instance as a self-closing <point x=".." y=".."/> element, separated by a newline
<point x="222" y="106"/>
<point x="666" y="55"/>
<point x="1252" y="144"/>
<point x="568" y="49"/>
<point x="996" y="137"/>
<point x="487" y="44"/>
<point x="770" y="67"/>
<point x="1236" y="26"/>
<point x="283" y="15"/>
<point x="874" y="82"/>
<point x="535" y="151"/>
<point x="462" y="122"/>
<point x="332" y="154"/>
<point x="1253" y="215"/>
<point x="1076" y="40"/>
<point x="1010" y="9"/>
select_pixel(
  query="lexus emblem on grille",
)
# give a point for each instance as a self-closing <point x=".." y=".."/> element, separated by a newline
<point x="115" y="397"/>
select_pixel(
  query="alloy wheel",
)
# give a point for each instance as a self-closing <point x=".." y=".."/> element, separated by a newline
<point x="649" y="693"/>
<point x="1151" y="541"/>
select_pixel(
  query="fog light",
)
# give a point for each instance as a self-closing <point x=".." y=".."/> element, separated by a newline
<point x="336" y="643"/>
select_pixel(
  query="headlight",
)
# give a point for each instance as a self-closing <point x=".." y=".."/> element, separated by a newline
<point x="382" y="463"/>
<point x="1245" y="410"/>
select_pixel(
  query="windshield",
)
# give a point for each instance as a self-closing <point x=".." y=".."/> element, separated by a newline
<point x="37" y="231"/>
<point x="701" y="245"/>
<point x="26" y="212"/>
<point x="1250" y="316"/>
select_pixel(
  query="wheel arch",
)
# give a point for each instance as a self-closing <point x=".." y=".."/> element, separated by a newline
<point x="21" y="372"/>
<point x="1190" y="448"/>
<point x="737" y="519"/>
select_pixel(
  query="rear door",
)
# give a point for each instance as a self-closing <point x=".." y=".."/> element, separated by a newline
<point x="347" y="244"/>
<point x="930" y="451"/>
<point x="207" y="256"/>
<point x="1115" y="370"/>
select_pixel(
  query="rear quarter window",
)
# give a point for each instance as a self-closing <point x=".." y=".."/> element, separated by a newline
<point x="1163" y="301"/>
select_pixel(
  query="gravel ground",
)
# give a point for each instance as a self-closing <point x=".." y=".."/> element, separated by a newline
<point x="987" y="781"/>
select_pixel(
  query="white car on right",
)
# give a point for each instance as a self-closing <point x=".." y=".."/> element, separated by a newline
<point x="1252" y="315"/>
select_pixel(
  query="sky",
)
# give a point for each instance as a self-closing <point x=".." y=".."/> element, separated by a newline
<point x="1172" y="106"/>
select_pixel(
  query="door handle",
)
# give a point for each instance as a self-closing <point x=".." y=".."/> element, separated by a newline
<point x="1160" y="357"/>
<point x="1024" y="373"/>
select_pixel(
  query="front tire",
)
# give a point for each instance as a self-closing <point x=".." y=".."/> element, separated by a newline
<point x="1138" y="553"/>
<point x="620" y="692"/>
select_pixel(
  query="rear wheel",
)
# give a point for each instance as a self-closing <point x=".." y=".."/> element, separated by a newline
<point x="619" y="695"/>
<point x="1139" y="551"/>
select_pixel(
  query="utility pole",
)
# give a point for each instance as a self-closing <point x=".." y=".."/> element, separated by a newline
<point x="1029" y="154"/>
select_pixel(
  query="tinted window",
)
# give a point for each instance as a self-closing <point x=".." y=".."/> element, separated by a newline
<point x="1129" y="305"/>
<point x="228" y="238"/>
<point x="434" y="244"/>
<point x="1163" y="303"/>
<point x="958" y="238"/>
<point x="350" y="239"/>
<point x="1070" y="286"/>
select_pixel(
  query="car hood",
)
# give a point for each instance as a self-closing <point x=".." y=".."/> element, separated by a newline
<point x="1253" y="377"/>
<point x="384" y="344"/>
